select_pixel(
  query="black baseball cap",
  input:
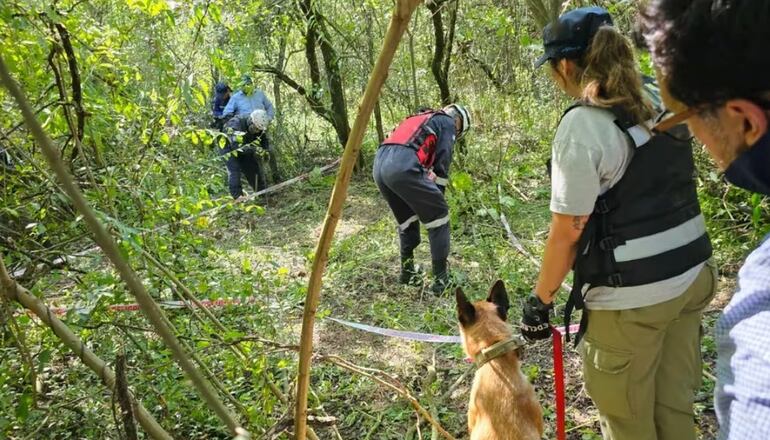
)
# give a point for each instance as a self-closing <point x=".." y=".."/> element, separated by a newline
<point x="570" y="35"/>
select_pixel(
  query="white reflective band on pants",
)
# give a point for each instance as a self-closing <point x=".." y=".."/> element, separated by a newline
<point x="443" y="181"/>
<point x="402" y="227"/>
<point x="438" y="222"/>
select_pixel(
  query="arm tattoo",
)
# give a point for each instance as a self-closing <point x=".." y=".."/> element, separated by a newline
<point x="579" y="222"/>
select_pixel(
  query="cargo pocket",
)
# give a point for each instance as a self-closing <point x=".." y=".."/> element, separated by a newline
<point x="606" y="374"/>
<point x="712" y="265"/>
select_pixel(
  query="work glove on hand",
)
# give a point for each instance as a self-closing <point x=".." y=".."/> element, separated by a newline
<point x="534" y="318"/>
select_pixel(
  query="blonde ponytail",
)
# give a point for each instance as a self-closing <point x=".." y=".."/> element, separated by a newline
<point x="609" y="76"/>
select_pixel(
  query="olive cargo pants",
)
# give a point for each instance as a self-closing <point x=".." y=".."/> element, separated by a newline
<point x="642" y="366"/>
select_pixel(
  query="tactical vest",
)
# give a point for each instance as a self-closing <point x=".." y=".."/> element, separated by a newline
<point x="414" y="132"/>
<point x="648" y="227"/>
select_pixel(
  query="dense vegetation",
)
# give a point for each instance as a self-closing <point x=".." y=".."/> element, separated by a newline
<point x="123" y="89"/>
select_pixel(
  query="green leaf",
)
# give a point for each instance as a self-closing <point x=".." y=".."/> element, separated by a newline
<point x="43" y="359"/>
<point x="461" y="181"/>
<point x="22" y="409"/>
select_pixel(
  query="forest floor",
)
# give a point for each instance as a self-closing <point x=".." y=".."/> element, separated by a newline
<point x="274" y="247"/>
<point x="361" y="285"/>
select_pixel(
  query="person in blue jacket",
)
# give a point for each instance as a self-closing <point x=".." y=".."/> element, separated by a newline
<point x="221" y="99"/>
<point x="243" y="103"/>
<point x="244" y="159"/>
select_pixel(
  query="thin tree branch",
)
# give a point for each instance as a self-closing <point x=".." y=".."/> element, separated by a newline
<point x="124" y="398"/>
<point x="390" y="384"/>
<point x="107" y="243"/>
<point x="314" y="103"/>
<point x="77" y="90"/>
<point x="11" y="290"/>
<point x="399" y="22"/>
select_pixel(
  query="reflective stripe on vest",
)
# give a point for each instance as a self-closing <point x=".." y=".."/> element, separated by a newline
<point x="655" y="244"/>
<point x="648" y="227"/>
<point x="640" y="134"/>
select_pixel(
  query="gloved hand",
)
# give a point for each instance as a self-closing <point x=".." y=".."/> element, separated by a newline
<point x="534" y="318"/>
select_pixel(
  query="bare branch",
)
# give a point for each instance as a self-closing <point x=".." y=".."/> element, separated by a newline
<point x="107" y="243"/>
<point x="399" y="22"/>
<point x="15" y="292"/>
<point x="315" y="104"/>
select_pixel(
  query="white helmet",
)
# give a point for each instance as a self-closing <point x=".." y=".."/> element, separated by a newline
<point x="259" y="119"/>
<point x="455" y="111"/>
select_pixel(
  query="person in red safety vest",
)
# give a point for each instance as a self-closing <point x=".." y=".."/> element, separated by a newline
<point x="411" y="170"/>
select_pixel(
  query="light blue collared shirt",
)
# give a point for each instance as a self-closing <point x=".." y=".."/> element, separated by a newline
<point x="242" y="105"/>
<point x="742" y="395"/>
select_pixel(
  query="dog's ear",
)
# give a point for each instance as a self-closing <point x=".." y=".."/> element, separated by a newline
<point x="499" y="297"/>
<point x="466" y="313"/>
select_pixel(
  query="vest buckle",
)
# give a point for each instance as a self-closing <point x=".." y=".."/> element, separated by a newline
<point x="615" y="280"/>
<point x="607" y="243"/>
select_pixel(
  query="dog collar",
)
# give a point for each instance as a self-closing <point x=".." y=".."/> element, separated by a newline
<point x="498" y="349"/>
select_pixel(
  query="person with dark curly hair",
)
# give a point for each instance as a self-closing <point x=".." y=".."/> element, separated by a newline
<point x="714" y="67"/>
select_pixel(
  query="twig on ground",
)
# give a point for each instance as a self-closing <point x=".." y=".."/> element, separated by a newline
<point x="448" y="394"/>
<point x="522" y="250"/>
<point x="391" y="384"/>
<point x="583" y="425"/>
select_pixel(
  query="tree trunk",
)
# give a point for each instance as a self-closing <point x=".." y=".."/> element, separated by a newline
<point x="436" y="66"/>
<point x="277" y="98"/>
<point x="316" y="33"/>
<point x="450" y="40"/>
<point x="336" y="89"/>
<point x="370" y="54"/>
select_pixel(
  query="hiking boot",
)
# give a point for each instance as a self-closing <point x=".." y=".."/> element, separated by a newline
<point x="441" y="279"/>
<point x="410" y="274"/>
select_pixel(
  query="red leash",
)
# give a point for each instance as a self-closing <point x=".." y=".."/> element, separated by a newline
<point x="558" y="378"/>
<point x="558" y="384"/>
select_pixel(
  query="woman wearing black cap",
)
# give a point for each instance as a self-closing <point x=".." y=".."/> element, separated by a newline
<point x="625" y="217"/>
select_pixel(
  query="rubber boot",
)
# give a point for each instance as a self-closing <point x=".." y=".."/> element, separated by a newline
<point x="410" y="275"/>
<point x="441" y="280"/>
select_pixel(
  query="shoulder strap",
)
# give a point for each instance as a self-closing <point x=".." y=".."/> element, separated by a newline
<point x="637" y="133"/>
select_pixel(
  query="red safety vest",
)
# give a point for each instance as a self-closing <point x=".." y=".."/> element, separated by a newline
<point x="414" y="132"/>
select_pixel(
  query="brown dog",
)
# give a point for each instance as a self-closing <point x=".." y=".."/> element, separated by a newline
<point x="503" y="405"/>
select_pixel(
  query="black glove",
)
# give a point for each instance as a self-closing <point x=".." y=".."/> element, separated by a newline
<point x="534" y="318"/>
